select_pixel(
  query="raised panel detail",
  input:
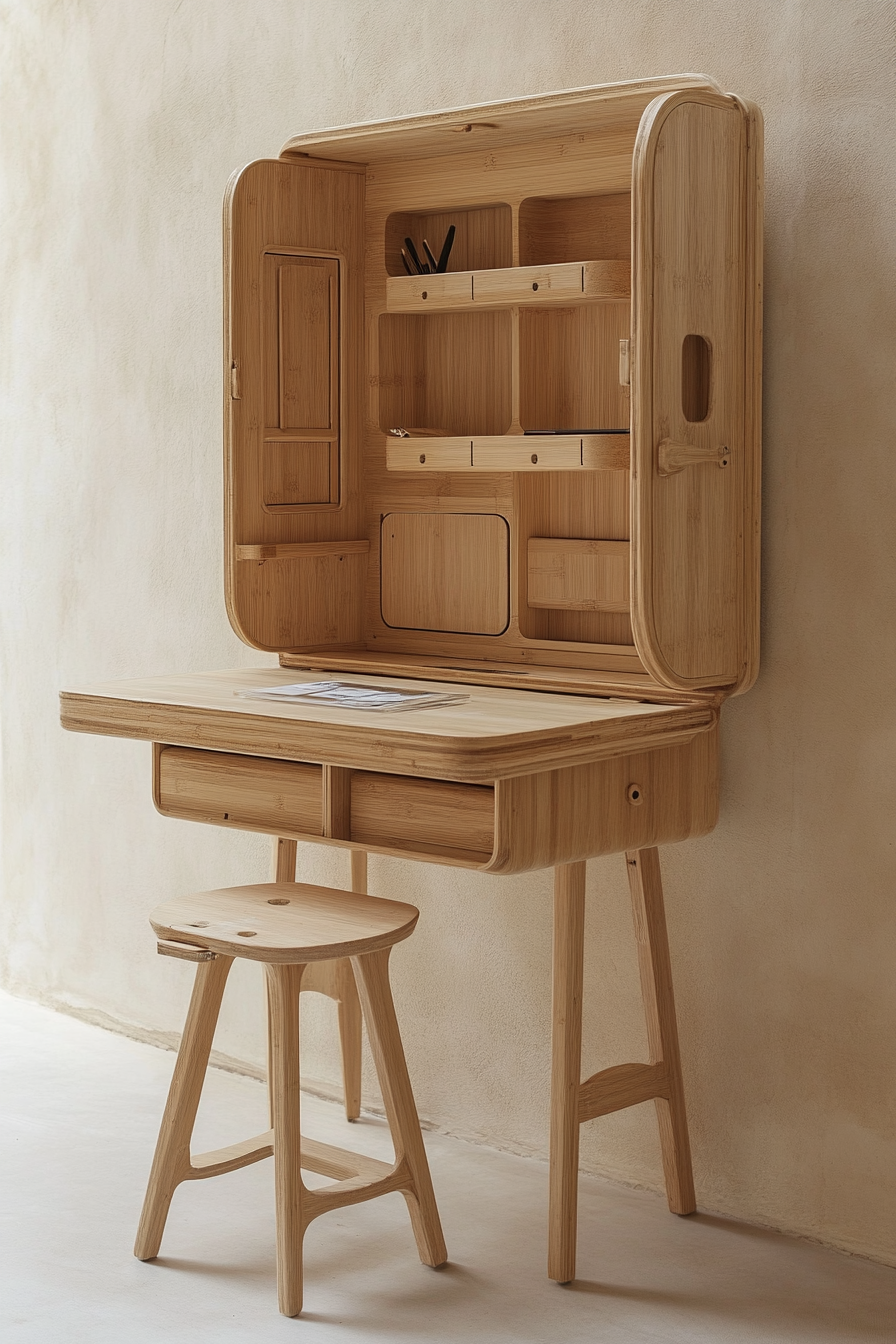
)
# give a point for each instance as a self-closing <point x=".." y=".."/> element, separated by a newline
<point x="569" y="574"/>
<point x="446" y="571"/>
<point x="298" y="473"/>
<point x="302" y="340"/>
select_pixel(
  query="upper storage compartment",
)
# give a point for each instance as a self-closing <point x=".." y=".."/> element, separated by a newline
<point x="546" y="456"/>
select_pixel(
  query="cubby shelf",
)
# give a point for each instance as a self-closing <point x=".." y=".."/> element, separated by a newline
<point x="510" y="452"/>
<point x="563" y="283"/>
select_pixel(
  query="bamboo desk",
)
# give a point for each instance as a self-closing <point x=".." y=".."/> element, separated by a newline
<point x="506" y="782"/>
<point x="539" y="470"/>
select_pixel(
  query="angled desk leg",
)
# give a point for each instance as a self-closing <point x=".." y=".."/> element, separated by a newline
<point x="573" y="1101"/>
<point x="335" y="979"/>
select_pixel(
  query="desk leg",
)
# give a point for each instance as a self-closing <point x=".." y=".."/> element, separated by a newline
<point x="335" y="979"/>
<point x="566" y="1064"/>
<point x="646" y="883"/>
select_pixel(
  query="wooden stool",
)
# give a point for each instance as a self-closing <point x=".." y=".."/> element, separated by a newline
<point x="288" y="926"/>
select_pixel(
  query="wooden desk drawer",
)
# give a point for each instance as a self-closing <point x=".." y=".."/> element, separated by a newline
<point x="426" y="816"/>
<point x="248" y="792"/>
<point x="519" y="824"/>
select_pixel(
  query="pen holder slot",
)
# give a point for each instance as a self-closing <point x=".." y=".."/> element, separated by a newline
<point x="482" y="240"/>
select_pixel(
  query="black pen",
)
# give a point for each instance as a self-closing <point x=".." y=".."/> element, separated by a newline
<point x="433" y="264"/>
<point x="446" y="249"/>
<point x="421" y="270"/>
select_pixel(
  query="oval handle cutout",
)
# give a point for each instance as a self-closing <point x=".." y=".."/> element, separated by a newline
<point x="696" y="378"/>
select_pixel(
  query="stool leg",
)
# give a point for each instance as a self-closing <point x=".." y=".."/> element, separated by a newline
<point x="646" y="883"/>
<point x="284" y="987"/>
<point x="372" y="976"/>
<point x="566" y="1063"/>
<point x="171" y="1162"/>
<point x="335" y="979"/>
<point x="349" y="1008"/>
<point x="285" y="852"/>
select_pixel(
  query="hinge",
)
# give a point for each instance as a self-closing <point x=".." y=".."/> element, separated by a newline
<point x="625" y="363"/>
<point x="234" y="381"/>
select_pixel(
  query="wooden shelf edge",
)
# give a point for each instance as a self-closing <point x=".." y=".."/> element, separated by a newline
<point x="561" y="283"/>
<point x="510" y="452"/>
<point x="301" y="550"/>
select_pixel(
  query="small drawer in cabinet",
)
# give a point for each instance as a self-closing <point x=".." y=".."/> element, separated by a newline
<point x="429" y="817"/>
<point x="247" y="792"/>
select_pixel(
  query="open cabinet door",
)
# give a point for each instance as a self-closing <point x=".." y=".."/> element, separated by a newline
<point x="293" y="348"/>
<point x="696" y="252"/>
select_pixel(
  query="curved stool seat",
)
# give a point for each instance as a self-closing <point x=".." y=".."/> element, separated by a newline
<point x="286" y="926"/>
<point x="285" y="922"/>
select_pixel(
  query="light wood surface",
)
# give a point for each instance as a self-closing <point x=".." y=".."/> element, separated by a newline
<point x="171" y="1163"/>
<point x="525" y="822"/>
<point x="277" y="922"/>
<point x="432" y="561"/>
<point x="294" y="927"/>
<point x="573" y="1102"/>
<point x="493" y="125"/>
<point x="563" y="282"/>
<point x="690" y="581"/>
<point x="335" y="980"/>
<point x="303" y="550"/>
<point x="492" y="735"/>
<point x="420" y="815"/>
<point x="578" y="575"/>
<point x="605" y="283"/>
<point x="294" y="350"/>
<point x="228" y="790"/>
<point x="510" y="180"/>
<point x="510" y="452"/>
<point x="655" y="967"/>
<point x="566" y="1055"/>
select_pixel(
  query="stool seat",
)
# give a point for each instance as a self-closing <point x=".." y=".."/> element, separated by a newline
<point x="291" y="922"/>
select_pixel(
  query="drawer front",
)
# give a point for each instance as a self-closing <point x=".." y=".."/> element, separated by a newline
<point x="248" y="792"/>
<point x="427" y="816"/>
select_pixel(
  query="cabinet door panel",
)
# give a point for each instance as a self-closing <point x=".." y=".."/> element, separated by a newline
<point x="294" y="386"/>
<point x="694" y="444"/>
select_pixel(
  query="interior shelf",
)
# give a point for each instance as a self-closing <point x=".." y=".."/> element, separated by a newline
<point x="559" y="283"/>
<point x="511" y="452"/>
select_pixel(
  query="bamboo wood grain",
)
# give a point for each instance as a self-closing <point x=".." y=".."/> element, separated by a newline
<point x="302" y="550"/>
<point x="509" y="452"/>
<point x="525" y="822"/>
<point x="578" y="575"/>
<point x="275" y="923"/>
<point x="689" y="580"/>
<point x="171" y="1162"/>
<point x="626" y="681"/>
<point x="566" y="1055"/>
<point x="494" y="734"/>
<point x="372" y="974"/>
<point x="294" y="925"/>
<point x="284" y="985"/>
<point x="493" y="125"/>
<point x="567" y="282"/>
<point x="619" y="1087"/>
<point x="655" y="968"/>
<point x="446" y="572"/>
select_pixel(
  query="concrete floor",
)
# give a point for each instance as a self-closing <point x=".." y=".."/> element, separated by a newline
<point x="79" y="1110"/>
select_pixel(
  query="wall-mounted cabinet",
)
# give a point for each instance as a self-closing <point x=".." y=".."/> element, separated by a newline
<point x="544" y="457"/>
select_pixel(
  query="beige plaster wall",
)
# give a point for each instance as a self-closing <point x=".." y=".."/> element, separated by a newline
<point x="119" y="125"/>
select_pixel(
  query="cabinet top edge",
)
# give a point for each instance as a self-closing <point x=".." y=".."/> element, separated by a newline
<point x="597" y="106"/>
